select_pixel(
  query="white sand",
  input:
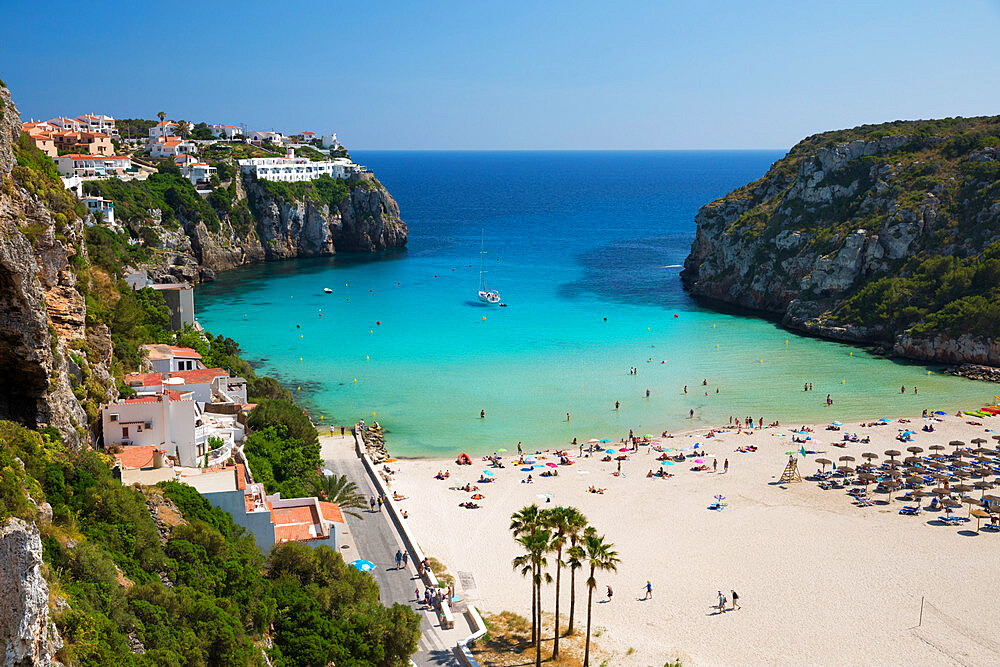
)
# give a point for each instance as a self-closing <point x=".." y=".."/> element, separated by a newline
<point x="820" y="580"/>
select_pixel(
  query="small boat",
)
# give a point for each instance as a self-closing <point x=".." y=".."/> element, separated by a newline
<point x="487" y="296"/>
<point x="328" y="290"/>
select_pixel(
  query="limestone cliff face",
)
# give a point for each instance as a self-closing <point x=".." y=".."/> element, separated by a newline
<point x="41" y="311"/>
<point x="27" y="634"/>
<point x="810" y="241"/>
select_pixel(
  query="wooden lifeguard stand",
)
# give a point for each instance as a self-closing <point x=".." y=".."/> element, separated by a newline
<point x="791" y="473"/>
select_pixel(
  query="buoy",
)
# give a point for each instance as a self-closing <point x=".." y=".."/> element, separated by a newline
<point x="321" y="417"/>
<point x="713" y="326"/>
<point x="761" y="361"/>
<point x="378" y="323"/>
<point x="373" y="414"/>
<point x="355" y="380"/>
<point x="928" y="372"/>
<point x="298" y="389"/>
<point x="843" y="382"/>
<point x="716" y="346"/>
<point x="852" y="354"/>
<point x="297" y="326"/>
<point x="675" y="314"/>
<point x="367" y="357"/>
<point x="484" y="318"/>
<point x="605" y="319"/>
<point x="435" y="275"/>
<point x="371" y="331"/>
<point x="300" y="359"/>
<point x="397" y="282"/>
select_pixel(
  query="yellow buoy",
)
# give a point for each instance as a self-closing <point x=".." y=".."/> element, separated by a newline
<point x="843" y="382"/>
<point x="298" y="389"/>
<point x="321" y="417"/>
<point x="300" y="359"/>
<point x="367" y="357"/>
<point x="852" y="354"/>
<point x="355" y="380"/>
<point x="761" y="361"/>
<point x="373" y="414"/>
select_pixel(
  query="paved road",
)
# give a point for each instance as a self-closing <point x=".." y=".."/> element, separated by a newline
<point x="377" y="541"/>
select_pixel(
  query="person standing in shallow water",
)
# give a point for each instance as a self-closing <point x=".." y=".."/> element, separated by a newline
<point x="482" y="414"/>
<point x="617" y="404"/>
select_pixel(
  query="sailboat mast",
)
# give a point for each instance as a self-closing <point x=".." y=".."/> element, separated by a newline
<point x="482" y="261"/>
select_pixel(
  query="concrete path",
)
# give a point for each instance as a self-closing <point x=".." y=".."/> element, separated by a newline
<point x="375" y="539"/>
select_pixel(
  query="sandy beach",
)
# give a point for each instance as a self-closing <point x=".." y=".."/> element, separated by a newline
<point x="821" y="580"/>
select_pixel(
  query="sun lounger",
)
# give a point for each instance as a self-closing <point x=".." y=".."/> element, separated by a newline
<point x="910" y="510"/>
<point x="865" y="502"/>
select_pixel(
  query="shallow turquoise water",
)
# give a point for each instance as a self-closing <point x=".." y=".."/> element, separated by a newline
<point x="573" y="238"/>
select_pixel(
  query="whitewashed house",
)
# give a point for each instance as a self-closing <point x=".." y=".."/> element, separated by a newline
<point x="262" y="136"/>
<point x="171" y="147"/>
<point x="292" y="168"/>
<point x="97" y="205"/>
<point x="225" y="131"/>
<point x="330" y="140"/>
<point x="93" y="166"/>
<point x="164" y="129"/>
<point x="170" y="358"/>
<point x="98" y="123"/>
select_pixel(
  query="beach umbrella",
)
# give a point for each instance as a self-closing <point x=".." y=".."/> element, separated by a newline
<point x="892" y="485"/>
<point x="883" y="420"/>
<point x="983" y="486"/>
<point x="605" y="440"/>
<point x="961" y="488"/>
<point x="869" y="456"/>
<point x="978" y="441"/>
<point x="956" y="443"/>
<point x="914" y="450"/>
<point x="836" y="424"/>
<point x="971" y="502"/>
<point x="624" y="449"/>
<point x="609" y="451"/>
<point x="846" y="458"/>
<point x="891" y="453"/>
<point x="488" y="473"/>
<point x="936" y="448"/>
<point x="502" y="449"/>
<point x="939" y="491"/>
<point x="363" y="565"/>
<point x="845" y="470"/>
<point x="823" y="462"/>
<point x="995" y="437"/>
<point x="648" y="435"/>
<point x="477" y="496"/>
<point x="912" y="459"/>
<point x="699" y="460"/>
<point x="940" y="412"/>
<point x="391" y="460"/>
<point x="552" y="465"/>
<point x="980" y="515"/>
<point x="592" y="441"/>
<point x="914" y="479"/>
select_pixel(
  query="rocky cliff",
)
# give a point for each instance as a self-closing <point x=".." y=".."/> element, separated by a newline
<point x="28" y="635"/>
<point x="42" y="314"/>
<point x="884" y="234"/>
<point x="269" y="224"/>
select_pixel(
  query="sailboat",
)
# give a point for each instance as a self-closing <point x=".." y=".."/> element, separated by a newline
<point x="489" y="297"/>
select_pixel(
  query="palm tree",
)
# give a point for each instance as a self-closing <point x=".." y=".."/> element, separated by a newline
<point x="337" y="489"/>
<point x="576" y="524"/>
<point x="600" y="556"/>
<point x="559" y="519"/>
<point x="532" y="562"/>
<point x="526" y="522"/>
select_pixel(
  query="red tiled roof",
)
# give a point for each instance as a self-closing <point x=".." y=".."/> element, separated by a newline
<point x="331" y="511"/>
<point x="136" y="456"/>
<point x="199" y="375"/>
<point x="145" y="379"/>
<point x="241" y="477"/>
<point x="185" y="352"/>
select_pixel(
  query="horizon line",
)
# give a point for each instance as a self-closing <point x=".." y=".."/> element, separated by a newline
<point x="565" y="150"/>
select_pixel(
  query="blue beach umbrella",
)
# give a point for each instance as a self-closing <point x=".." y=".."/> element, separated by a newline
<point x="609" y="451"/>
<point x="363" y="565"/>
<point x="605" y="440"/>
<point x="488" y="473"/>
<point x="884" y="420"/>
<point x="940" y="412"/>
<point x="837" y="424"/>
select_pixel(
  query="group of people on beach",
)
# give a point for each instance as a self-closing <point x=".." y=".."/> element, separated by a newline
<point x="723" y="600"/>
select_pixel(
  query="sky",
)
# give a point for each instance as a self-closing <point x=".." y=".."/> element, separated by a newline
<point x="407" y="75"/>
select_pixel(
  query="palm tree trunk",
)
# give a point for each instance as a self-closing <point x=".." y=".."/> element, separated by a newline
<point x="555" y="641"/>
<point x="572" y="599"/>
<point x="586" y="650"/>
<point x="534" y="604"/>
<point x="538" y="637"/>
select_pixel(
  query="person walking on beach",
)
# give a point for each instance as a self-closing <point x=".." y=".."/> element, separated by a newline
<point x="722" y="603"/>
<point x="380" y="503"/>
<point x="619" y="466"/>
<point x="518" y="446"/>
<point x="725" y="466"/>
<point x="373" y="503"/>
<point x="736" y="597"/>
<point x="610" y="593"/>
<point x="399" y="559"/>
<point x="649" y="590"/>
<point x="715" y="465"/>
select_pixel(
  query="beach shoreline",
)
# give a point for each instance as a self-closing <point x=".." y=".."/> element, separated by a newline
<point x="804" y="560"/>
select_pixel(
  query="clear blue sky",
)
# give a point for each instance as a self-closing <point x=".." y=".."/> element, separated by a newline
<point x="511" y="75"/>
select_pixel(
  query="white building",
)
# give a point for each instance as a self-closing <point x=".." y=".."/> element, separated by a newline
<point x="171" y="147"/>
<point x="61" y="123"/>
<point x="97" y="205"/>
<point x="330" y="141"/>
<point x="93" y="166"/>
<point x="163" y="129"/>
<point x="297" y="168"/>
<point x="261" y="136"/>
<point x="225" y="131"/>
<point x="98" y="123"/>
<point x="170" y="358"/>
<point x="173" y="423"/>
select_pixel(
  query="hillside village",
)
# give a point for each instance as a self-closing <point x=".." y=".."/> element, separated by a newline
<point x="176" y="419"/>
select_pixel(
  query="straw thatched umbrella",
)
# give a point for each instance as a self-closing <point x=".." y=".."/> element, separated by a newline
<point x="983" y="486"/>
<point x="891" y="453"/>
<point x="892" y="485"/>
<point x="949" y="505"/>
<point x="914" y="450"/>
<point x="869" y="456"/>
<point x="978" y="441"/>
<point x="846" y="458"/>
<point x="980" y="515"/>
<point x="913" y="479"/>
<point x="867" y="478"/>
<point x="939" y="491"/>
<point x="912" y="459"/>
<point x="936" y="448"/>
<point x="824" y="462"/>
<point x="971" y="502"/>
<point x="956" y="443"/>
<point x="996" y="437"/>
<point x="846" y="470"/>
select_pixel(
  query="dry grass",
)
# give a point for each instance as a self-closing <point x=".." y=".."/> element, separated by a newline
<point x="439" y="570"/>
<point x="508" y="642"/>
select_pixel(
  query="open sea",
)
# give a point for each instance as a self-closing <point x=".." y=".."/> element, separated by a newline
<point x="585" y="248"/>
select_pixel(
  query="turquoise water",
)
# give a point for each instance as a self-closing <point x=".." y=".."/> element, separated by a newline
<point x="585" y="248"/>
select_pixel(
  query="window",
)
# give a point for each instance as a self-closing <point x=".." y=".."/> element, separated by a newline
<point x="113" y="417"/>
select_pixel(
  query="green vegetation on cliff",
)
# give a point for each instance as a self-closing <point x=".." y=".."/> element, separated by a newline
<point x="891" y="229"/>
<point x="196" y="592"/>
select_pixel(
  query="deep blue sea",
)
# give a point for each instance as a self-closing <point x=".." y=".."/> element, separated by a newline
<point x="585" y="248"/>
